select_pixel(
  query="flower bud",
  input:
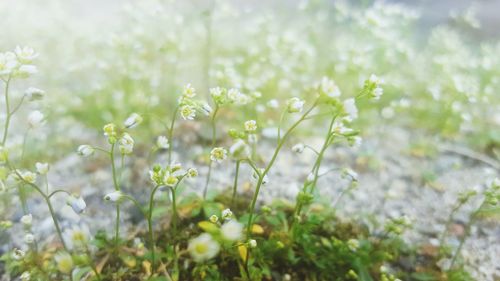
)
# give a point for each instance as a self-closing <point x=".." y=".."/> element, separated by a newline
<point x="35" y="119"/>
<point x="27" y="220"/>
<point x="85" y="150"/>
<point x="115" y="196"/>
<point x="42" y="168"/>
<point x="252" y="243"/>
<point x="295" y="105"/>
<point x="133" y="121"/>
<point x="162" y="142"/>
<point x="298" y="148"/>
<point x="34" y="94"/>
<point x="76" y="203"/>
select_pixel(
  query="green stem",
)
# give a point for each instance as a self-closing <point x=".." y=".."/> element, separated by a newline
<point x="150" y="226"/>
<point x="214" y="140"/>
<point x="266" y="170"/>
<point x="171" y="134"/>
<point x="7" y="109"/>
<point x="235" y="185"/>
<point x="472" y="220"/>
<point x="117" y="187"/>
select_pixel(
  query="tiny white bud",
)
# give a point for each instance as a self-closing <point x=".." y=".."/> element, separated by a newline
<point x="27" y="220"/>
<point x="85" y="150"/>
<point x="42" y="168"/>
<point x="133" y="120"/>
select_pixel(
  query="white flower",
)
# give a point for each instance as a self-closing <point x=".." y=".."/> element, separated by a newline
<point x="26" y="70"/>
<point x="273" y="103"/>
<point x="250" y="126"/>
<point x="26" y="276"/>
<point x="295" y="105"/>
<point x="192" y="173"/>
<point x="170" y="180"/>
<point x="206" y="109"/>
<point x="133" y="120"/>
<point x="353" y="244"/>
<point x="85" y="150"/>
<point x="64" y="262"/>
<point x="236" y="97"/>
<point x="350" y="109"/>
<point x="77" y="203"/>
<point x="162" y="142"/>
<point x="340" y="128"/>
<point x="188" y="112"/>
<point x="126" y="144"/>
<point x="330" y="88"/>
<point x="214" y="218"/>
<point x="35" y="119"/>
<point x="77" y="237"/>
<point x="27" y="176"/>
<point x="27" y="220"/>
<point x="29" y="238"/>
<point x="34" y="93"/>
<point x="349" y="174"/>
<point x="42" y="168"/>
<point x="189" y="91"/>
<point x="375" y="79"/>
<point x="18" y="254"/>
<point x="227" y="214"/>
<point x="298" y="148"/>
<point x="252" y="243"/>
<point x="8" y="62"/>
<point x="240" y="150"/>
<point x="377" y="93"/>
<point x="232" y="230"/>
<point x="310" y="177"/>
<point x="203" y="247"/>
<point x="218" y="154"/>
<point x="25" y="54"/>
<point x="115" y="196"/>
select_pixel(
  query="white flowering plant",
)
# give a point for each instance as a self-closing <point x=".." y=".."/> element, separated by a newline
<point x="229" y="102"/>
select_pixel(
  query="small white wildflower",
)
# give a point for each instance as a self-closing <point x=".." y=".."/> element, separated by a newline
<point x="34" y="94"/>
<point x="340" y="128"/>
<point x="26" y="70"/>
<point x="25" y="54"/>
<point x="310" y="177"/>
<point x="64" y="262"/>
<point x="353" y="244"/>
<point x="349" y="174"/>
<point x="27" y="220"/>
<point x="115" y="196"/>
<point x="77" y="237"/>
<point x="133" y="120"/>
<point x="240" y="150"/>
<point x="188" y="112"/>
<point x="350" y="109"/>
<point x="377" y="93"/>
<point x="298" y="148"/>
<point x="189" y="92"/>
<point x="329" y="88"/>
<point x="85" y="150"/>
<point x="170" y="180"/>
<point x="162" y="142"/>
<point x="126" y="144"/>
<point x="218" y="154"/>
<point x="295" y="105"/>
<point x="42" y="168"/>
<point x="18" y="254"/>
<point x="28" y="176"/>
<point x="206" y="109"/>
<point x="232" y="94"/>
<point x="203" y="247"/>
<point x="273" y="104"/>
<point x="77" y="203"/>
<point x="232" y="230"/>
<point x="192" y="173"/>
<point x="35" y="119"/>
<point x="8" y="62"/>
<point x="250" y="126"/>
<point x="252" y="243"/>
<point x="227" y="214"/>
<point x="26" y="276"/>
<point x="214" y="218"/>
<point x="29" y="238"/>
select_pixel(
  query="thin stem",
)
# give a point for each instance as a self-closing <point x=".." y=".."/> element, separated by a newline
<point x="214" y="140"/>
<point x="235" y="185"/>
<point x="117" y="225"/>
<point x="91" y="263"/>
<point x="7" y="110"/>
<point x="117" y="187"/>
<point x="472" y="220"/>
<point x="150" y="226"/>
<point x="171" y="134"/>
<point x="270" y="164"/>
<point x="25" y="138"/>
<point x="58" y="191"/>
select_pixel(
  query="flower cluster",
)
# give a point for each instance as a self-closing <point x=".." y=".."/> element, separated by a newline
<point x="188" y="106"/>
<point x="223" y="96"/>
<point x="18" y="64"/>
